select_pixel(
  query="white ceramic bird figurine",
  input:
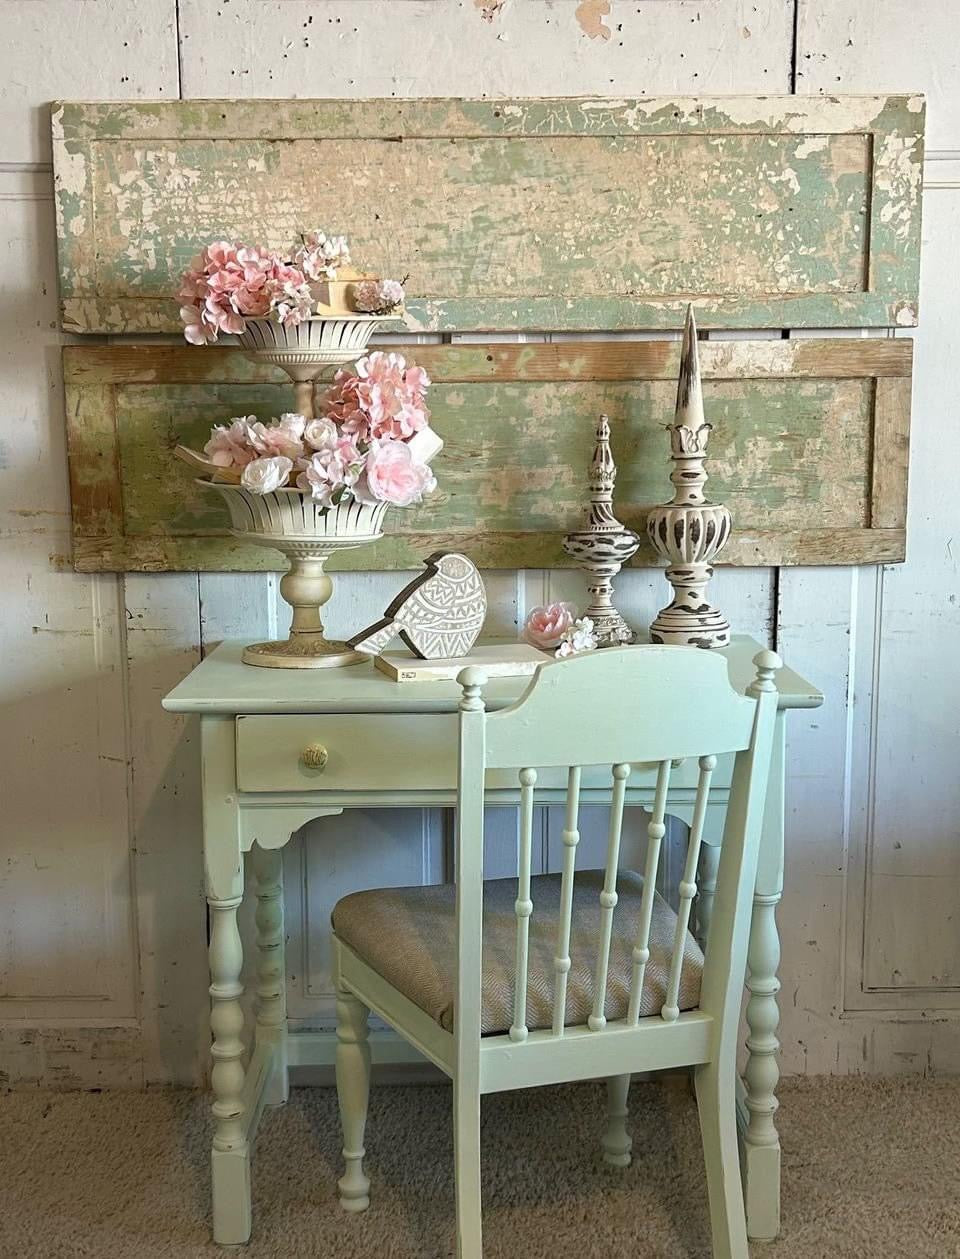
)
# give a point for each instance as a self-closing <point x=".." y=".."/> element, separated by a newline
<point x="439" y="615"/>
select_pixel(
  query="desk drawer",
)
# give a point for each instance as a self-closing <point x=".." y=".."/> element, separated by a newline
<point x="388" y="752"/>
<point x="375" y="752"/>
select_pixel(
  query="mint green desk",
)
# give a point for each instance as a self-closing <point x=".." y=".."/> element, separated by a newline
<point x="282" y="747"/>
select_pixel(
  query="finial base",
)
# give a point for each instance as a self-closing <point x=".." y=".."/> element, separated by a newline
<point x="609" y="627"/>
<point x="601" y="555"/>
<point x="690" y="620"/>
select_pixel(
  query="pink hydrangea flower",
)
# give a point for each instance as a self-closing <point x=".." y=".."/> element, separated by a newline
<point x="546" y="626"/>
<point x="392" y="475"/>
<point x="246" y="439"/>
<point x="227" y="284"/>
<point x="330" y="471"/>
<point x="382" y="397"/>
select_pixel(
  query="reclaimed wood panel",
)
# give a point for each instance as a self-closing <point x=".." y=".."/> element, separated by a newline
<point x="510" y="215"/>
<point x="808" y="450"/>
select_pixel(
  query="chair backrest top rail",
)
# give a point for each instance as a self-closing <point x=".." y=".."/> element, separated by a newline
<point x="652" y="711"/>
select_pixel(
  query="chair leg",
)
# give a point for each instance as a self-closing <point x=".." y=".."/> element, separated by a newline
<point x="718" y="1125"/>
<point x="466" y="1148"/>
<point x="616" y="1141"/>
<point x="353" y="1092"/>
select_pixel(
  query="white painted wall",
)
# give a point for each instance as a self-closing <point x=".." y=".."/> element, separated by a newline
<point x="102" y="924"/>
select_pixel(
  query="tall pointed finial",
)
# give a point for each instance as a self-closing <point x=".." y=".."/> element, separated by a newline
<point x="689" y="430"/>
<point x="690" y="531"/>
<point x="689" y="390"/>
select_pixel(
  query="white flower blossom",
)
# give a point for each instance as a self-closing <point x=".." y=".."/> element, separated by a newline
<point x="263" y="476"/>
<point x="321" y="434"/>
<point x="578" y="638"/>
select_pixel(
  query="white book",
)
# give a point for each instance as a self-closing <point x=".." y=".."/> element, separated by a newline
<point x="497" y="660"/>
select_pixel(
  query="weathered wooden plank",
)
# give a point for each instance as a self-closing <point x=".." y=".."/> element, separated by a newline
<point x="891" y="454"/>
<point x="581" y="360"/>
<point x="792" y="453"/>
<point x="759" y="547"/>
<point x="524" y="214"/>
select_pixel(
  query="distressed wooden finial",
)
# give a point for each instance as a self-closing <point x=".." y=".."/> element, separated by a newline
<point x="604" y="545"/>
<point x="690" y="531"/>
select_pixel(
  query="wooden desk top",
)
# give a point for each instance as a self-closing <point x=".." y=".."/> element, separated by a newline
<point x="223" y="684"/>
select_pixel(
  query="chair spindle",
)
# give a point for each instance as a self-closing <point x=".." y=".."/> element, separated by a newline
<point x="688" y="888"/>
<point x="524" y="905"/>
<point x="608" y="897"/>
<point x="571" y="837"/>
<point x="656" y="829"/>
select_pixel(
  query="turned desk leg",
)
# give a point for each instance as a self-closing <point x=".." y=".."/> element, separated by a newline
<point x="223" y="875"/>
<point x="230" y="1158"/>
<point x="760" y="1140"/>
<point x="271" y="1028"/>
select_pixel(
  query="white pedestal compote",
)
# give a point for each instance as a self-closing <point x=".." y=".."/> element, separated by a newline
<point x="291" y="522"/>
<point x="287" y="518"/>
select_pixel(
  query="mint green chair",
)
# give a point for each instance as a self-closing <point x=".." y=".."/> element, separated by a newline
<point x="584" y="975"/>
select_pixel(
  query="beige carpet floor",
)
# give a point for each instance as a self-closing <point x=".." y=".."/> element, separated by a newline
<point x="872" y="1171"/>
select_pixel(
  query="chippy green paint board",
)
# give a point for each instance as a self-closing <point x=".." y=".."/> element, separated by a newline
<point x="808" y="450"/>
<point x="526" y="214"/>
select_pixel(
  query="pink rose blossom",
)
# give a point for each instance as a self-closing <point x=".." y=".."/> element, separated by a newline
<point x="232" y="446"/>
<point x="282" y="437"/>
<point x="392" y="475"/>
<point x="545" y="627"/>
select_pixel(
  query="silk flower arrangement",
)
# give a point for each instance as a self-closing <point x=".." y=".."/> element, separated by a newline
<point x="371" y="443"/>
<point x="312" y="482"/>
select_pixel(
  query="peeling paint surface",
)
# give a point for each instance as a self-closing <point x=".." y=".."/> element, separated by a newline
<point x="795" y="428"/>
<point x="511" y="214"/>
<point x="590" y="15"/>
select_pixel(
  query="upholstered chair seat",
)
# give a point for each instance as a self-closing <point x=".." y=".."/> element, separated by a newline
<point x="408" y="935"/>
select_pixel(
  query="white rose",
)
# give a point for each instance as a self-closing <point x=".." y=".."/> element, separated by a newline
<point x="293" y="424"/>
<point x="321" y="434"/>
<point x="263" y="476"/>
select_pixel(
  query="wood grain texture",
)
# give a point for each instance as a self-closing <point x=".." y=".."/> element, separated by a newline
<point x="792" y="452"/>
<point x="510" y="214"/>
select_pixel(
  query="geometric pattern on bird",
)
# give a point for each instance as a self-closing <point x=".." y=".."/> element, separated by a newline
<point x="439" y="615"/>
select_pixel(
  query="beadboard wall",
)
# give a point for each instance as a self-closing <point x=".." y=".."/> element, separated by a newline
<point x="102" y="920"/>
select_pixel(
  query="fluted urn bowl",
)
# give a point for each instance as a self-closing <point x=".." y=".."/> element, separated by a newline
<point x="307" y="350"/>
<point x="308" y="346"/>
<point x="307" y="534"/>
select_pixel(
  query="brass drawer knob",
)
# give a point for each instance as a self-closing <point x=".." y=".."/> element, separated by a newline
<point x="314" y="756"/>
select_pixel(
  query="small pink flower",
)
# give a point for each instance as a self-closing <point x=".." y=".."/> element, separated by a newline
<point x="545" y="627"/>
<point x="391" y="475"/>
<point x="377" y="297"/>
